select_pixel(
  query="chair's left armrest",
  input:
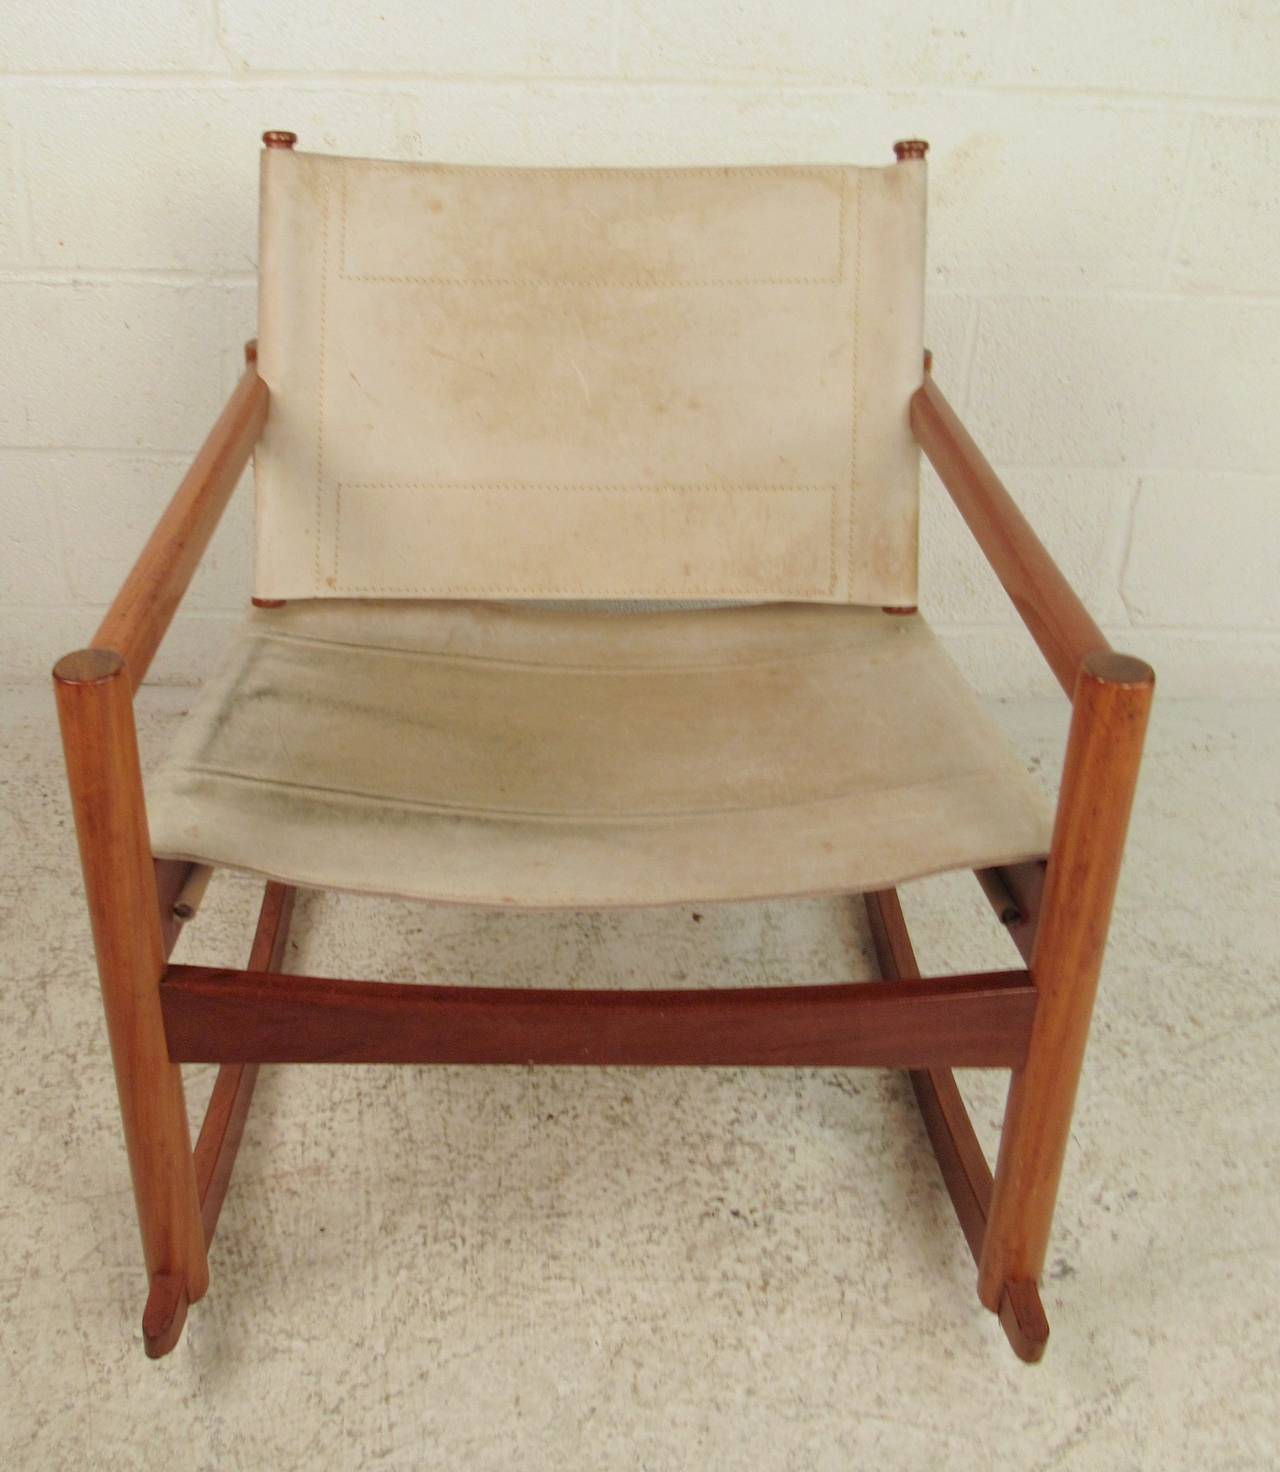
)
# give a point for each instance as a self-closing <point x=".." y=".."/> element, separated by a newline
<point x="137" y="620"/>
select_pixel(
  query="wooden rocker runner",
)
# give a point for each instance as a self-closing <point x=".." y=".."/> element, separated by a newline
<point x="480" y="391"/>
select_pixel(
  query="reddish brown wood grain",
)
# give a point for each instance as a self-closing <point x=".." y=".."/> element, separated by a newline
<point x="965" y="1171"/>
<point x="216" y="1015"/>
<point x="1104" y="749"/>
<point x="144" y="607"/>
<point x="1056" y="618"/>
<point x="1023" y="1320"/>
<point x="95" y="710"/>
<point x="165" y="1314"/>
<point x="171" y="875"/>
<point x="224" y="1119"/>
<point x="220" y="1136"/>
<point x="1015" y="892"/>
<point x="964" y="1167"/>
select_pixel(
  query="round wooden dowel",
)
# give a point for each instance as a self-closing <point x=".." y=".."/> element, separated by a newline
<point x="87" y="667"/>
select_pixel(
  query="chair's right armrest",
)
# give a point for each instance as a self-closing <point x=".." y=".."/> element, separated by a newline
<point x="1057" y="619"/>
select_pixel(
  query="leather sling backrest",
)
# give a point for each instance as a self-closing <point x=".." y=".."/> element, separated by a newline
<point x="588" y="383"/>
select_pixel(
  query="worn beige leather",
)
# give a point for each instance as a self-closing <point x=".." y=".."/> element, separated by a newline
<point x="593" y="383"/>
<point x="530" y="756"/>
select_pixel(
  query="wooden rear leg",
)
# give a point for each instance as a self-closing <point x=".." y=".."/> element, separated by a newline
<point x="220" y="1134"/>
<point x="960" y="1159"/>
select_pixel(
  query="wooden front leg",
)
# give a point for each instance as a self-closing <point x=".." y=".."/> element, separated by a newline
<point x="95" y="711"/>
<point x="1112" y="700"/>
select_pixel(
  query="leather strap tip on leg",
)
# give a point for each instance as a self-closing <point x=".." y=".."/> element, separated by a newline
<point x="1023" y="1320"/>
<point x="164" y="1315"/>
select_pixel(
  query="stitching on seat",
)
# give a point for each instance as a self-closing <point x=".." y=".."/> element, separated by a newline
<point x="589" y="815"/>
<point x="564" y="899"/>
<point x="788" y="657"/>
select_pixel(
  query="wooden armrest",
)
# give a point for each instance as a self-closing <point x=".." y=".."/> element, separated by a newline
<point x="144" y="607"/>
<point x="1059" y="623"/>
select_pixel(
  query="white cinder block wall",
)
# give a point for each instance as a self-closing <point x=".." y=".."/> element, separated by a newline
<point x="1104" y="281"/>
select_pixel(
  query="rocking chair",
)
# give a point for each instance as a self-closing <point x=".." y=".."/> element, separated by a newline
<point x="488" y="405"/>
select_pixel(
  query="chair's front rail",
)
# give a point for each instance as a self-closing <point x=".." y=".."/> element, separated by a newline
<point x="981" y="1020"/>
<point x="1033" y="1022"/>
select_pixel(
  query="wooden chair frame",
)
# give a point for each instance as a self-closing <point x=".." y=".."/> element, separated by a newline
<point x="1033" y="1021"/>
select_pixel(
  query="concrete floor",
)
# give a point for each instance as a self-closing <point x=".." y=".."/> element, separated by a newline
<point x="723" y="1269"/>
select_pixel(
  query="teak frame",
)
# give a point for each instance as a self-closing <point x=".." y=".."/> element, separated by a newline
<point x="1033" y="1021"/>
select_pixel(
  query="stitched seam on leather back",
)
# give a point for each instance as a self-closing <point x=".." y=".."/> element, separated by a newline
<point x="320" y="412"/>
<point x="853" y="391"/>
<point x="323" y="509"/>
